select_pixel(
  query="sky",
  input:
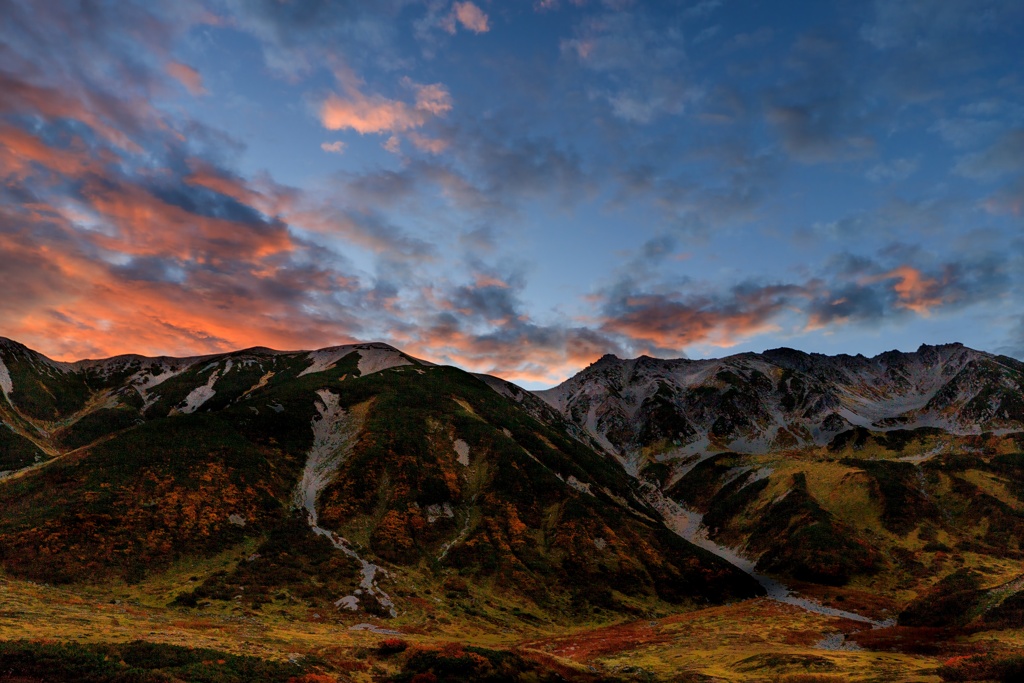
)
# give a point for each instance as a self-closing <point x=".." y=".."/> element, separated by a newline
<point x="512" y="186"/>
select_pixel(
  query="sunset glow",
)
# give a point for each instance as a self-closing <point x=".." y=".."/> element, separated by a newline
<point x="514" y="188"/>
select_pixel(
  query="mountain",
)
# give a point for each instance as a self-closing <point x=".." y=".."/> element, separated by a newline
<point x="354" y="478"/>
<point x="783" y="398"/>
<point x="877" y="473"/>
<point x="355" y="513"/>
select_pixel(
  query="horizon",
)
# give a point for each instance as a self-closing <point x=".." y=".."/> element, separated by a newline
<point x="512" y="188"/>
<point x="528" y="385"/>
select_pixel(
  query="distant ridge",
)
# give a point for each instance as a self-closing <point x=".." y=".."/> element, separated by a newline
<point x="784" y="398"/>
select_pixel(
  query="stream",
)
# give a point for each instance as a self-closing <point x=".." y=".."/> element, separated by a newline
<point x="689" y="525"/>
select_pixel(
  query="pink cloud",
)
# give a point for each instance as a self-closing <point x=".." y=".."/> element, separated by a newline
<point x="373" y="114"/>
<point x="425" y="144"/>
<point x="187" y="76"/>
<point x="471" y="17"/>
<point x="432" y="98"/>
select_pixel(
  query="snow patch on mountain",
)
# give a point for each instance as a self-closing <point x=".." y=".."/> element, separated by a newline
<point x="462" y="450"/>
<point x="689" y="525"/>
<point x="6" y="385"/>
<point x="436" y="511"/>
<point x="325" y="359"/>
<point x="334" y="437"/>
<point x="375" y="359"/>
<point x="200" y="395"/>
<point x="579" y="485"/>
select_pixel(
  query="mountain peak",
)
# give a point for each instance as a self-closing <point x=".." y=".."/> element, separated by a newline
<point x="786" y="398"/>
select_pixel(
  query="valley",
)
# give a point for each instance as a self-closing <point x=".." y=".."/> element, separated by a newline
<point x="354" y="513"/>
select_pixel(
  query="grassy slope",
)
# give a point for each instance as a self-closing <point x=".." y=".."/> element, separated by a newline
<point x="961" y="505"/>
<point x="151" y="493"/>
<point x="751" y="641"/>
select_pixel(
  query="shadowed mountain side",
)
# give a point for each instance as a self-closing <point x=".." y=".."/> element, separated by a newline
<point x="423" y="469"/>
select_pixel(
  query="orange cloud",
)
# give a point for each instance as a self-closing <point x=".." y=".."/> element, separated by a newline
<point x="101" y="316"/>
<point x="109" y="118"/>
<point x="187" y="76"/>
<point x="665" y="322"/>
<point x="21" y="153"/>
<point x="377" y="114"/>
<point x="432" y="98"/>
<point x="148" y="225"/>
<point x="915" y="291"/>
<point x="374" y="114"/>
<point x="517" y="357"/>
<point x="484" y="280"/>
<point x="67" y="303"/>
<point x="670" y="325"/>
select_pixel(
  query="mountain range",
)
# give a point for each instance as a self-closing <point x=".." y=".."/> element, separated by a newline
<point x="360" y="483"/>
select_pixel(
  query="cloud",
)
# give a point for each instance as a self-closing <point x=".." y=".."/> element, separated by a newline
<point x="641" y="59"/>
<point x="720" y="191"/>
<point x="296" y="38"/>
<point x="1004" y="157"/>
<point x="442" y="20"/>
<point x="126" y="275"/>
<point x="671" y="321"/>
<point x="924" y="23"/>
<point x="645" y="312"/>
<point x="819" y="112"/>
<point x="124" y="231"/>
<point x="188" y="77"/>
<point x="125" y="225"/>
<point x="893" y="171"/>
<point x="470" y="17"/>
<point x="916" y="291"/>
<point x="336" y="147"/>
<point x="863" y="291"/>
<point x="376" y="114"/>
<point x="482" y="327"/>
<point x="426" y="144"/>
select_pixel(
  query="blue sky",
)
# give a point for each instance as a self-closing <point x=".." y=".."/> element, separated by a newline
<point x="514" y="187"/>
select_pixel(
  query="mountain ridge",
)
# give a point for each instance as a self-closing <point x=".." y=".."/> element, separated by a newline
<point x="784" y="398"/>
<point x="357" y="487"/>
<point x="404" y="467"/>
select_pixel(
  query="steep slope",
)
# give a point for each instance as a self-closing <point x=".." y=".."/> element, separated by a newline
<point x="881" y="474"/>
<point x="352" y="474"/>
<point x="756" y="403"/>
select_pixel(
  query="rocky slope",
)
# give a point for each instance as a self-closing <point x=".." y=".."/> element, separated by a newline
<point x="757" y="403"/>
<point x="882" y="473"/>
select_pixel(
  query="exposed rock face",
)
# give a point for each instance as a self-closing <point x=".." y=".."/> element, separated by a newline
<point x="783" y="398"/>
